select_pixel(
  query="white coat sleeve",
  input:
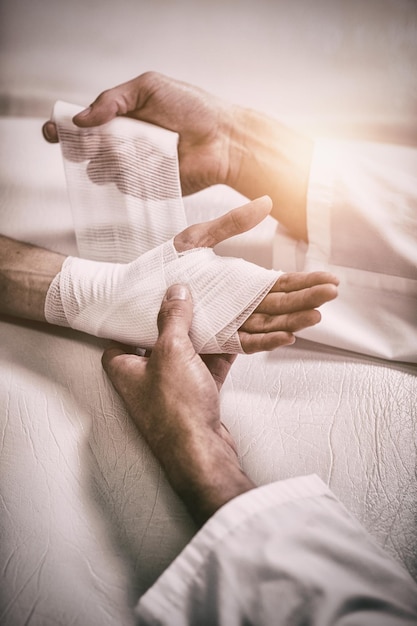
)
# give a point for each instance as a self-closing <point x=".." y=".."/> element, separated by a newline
<point x="285" y="553"/>
<point x="362" y="225"/>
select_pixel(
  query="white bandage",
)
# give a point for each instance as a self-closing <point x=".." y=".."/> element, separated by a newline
<point x="124" y="191"/>
<point x="121" y="301"/>
<point x="123" y="185"/>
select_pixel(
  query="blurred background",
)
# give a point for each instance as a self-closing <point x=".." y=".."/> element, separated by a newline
<point x="341" y="67"/>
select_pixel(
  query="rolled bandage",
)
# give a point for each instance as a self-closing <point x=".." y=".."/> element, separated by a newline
<point x="123" y="185"/>
<point x="121" y="301"/>
<point x="125" y="196"/>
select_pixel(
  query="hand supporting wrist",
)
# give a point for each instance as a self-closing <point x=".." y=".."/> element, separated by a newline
<point x="183" y="429"/>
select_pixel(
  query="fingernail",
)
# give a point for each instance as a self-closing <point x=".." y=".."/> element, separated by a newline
<point x="84" y="113"/>
<point x="177" y="292"/>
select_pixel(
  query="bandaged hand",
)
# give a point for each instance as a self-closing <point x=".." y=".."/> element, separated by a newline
<point x="238" y="306"/>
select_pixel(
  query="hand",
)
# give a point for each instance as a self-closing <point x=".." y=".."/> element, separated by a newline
<point x="125" y="294"/>
<point x="202" y="121"/>
<point x="291" y="304"/>
<point x="219" y="142"/>
<point x="289" y="307"/>
<point x="173" y="398"/>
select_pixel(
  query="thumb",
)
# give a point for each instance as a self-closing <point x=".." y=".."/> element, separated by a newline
<point x="98" y="113"/>
<point x="108" y="105"/>
<point x="176" y="313"/>
<point x="102" y="110"/>
<point x="235" y="222"/>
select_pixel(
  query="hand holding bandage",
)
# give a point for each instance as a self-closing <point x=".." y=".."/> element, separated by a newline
<point x="237" y="306"/>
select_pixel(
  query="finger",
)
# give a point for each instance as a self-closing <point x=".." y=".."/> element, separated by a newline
<point x="279" y="303"/>
<point x="127" y="349"/>
<point x="109" y="356"/>
<point x="295" y="281"/>
<point x="50" y="132"/>
<point x="219" y="366"/>
<point x="125" y="371"/>
<point x="292" y="322"/>
<point x="264" y="342"/>
<point x="235" y="222"/>
<point x="109" y="104"/>
<point x="176" y="313"/>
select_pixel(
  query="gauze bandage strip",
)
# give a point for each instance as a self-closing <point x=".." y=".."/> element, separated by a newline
<point x="121" y="301"/>
<point x="123" y="185"/>
<point x="124" y="191"/>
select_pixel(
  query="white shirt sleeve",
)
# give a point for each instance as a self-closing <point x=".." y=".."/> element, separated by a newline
<point x="285" y="553"/>
<point x="362" y="225"/>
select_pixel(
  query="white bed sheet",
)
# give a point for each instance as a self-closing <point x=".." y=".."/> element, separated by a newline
<point x="87" y="518"/>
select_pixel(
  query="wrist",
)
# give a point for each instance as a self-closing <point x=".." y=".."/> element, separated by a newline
<point x="26" y="273"/>
<point x="207" y="476"/>
<point x="227" y="146"/>
<point x="267" y="157"/>
<point x="81" y="292"/>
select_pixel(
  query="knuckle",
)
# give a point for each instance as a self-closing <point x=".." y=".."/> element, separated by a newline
<point x="168" y="345"/>
<point x="104" y="96"/>
<point x="167" y="313"/>
<point x="191" y="237"/>
<point x="283" y="280"/>
<point x="149" y="78"/>
<point x="172" y="317"/>
<point x="264" y="323"/>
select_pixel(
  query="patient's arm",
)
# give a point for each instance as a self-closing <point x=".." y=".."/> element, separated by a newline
<point x="26" y="272"/>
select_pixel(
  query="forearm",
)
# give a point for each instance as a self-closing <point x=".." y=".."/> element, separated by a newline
<point x="267" y="157"/>
<point x="204" y="472"/>
<point x="26" y="272"/>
